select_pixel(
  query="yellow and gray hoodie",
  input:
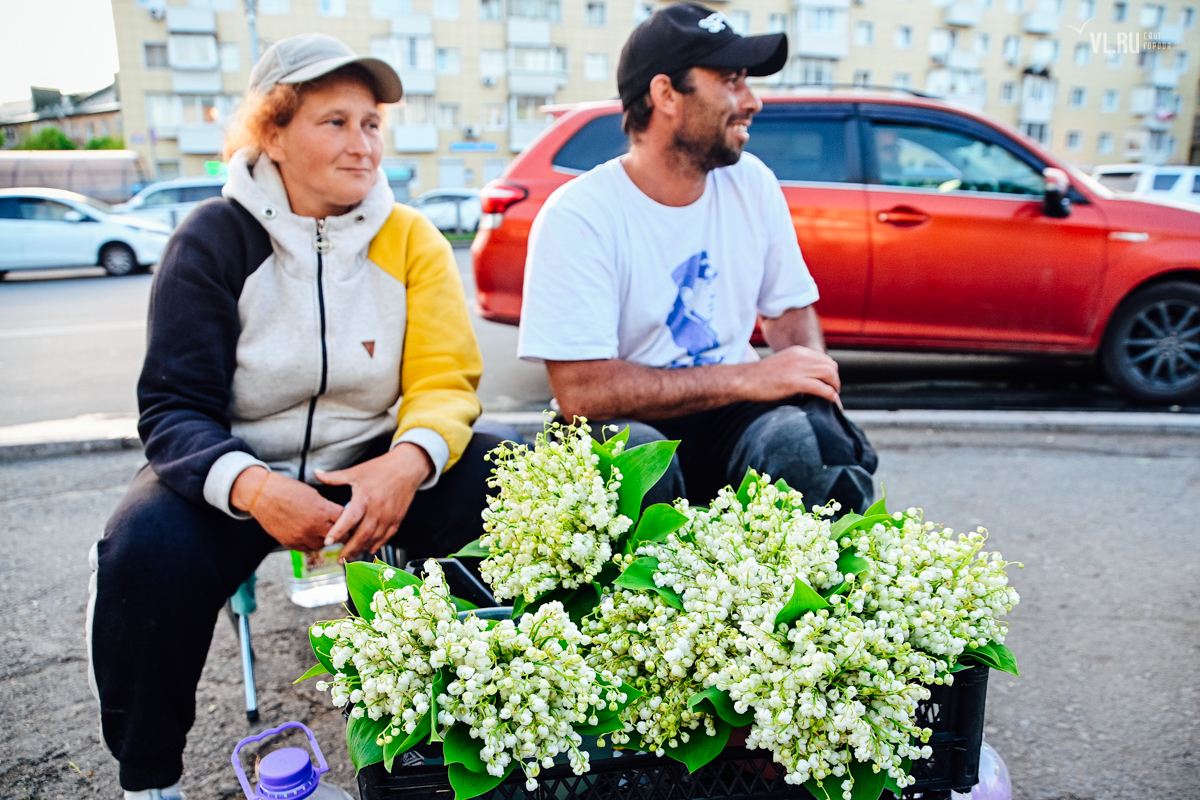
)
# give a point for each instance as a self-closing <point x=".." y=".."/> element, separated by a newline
<point x="282" y="340"/>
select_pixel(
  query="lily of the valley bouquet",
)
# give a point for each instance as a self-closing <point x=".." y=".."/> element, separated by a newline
<point x="665" y="630"/>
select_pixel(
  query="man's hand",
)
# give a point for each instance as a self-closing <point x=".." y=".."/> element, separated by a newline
<point x="795" y="370"/>
<point x="293" y="513"/>
<point x="383" y="488"/>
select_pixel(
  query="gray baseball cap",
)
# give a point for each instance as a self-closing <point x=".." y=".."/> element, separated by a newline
<point x="308" y="56"/>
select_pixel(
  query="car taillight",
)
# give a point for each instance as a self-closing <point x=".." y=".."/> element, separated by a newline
<point x="497" y="196"/>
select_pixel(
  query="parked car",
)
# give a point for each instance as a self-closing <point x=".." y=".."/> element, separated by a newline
<point x="451" y="210"/>
<point x="1181" y="184"/>
<point x="168" y="202"/>
<point x="46" y="228"/>
<point x="926" y="227"/>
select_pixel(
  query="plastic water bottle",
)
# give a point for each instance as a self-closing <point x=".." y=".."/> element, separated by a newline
<point x="317" y="578"/>
<point x="994" y="783"/>
<point x="287" y="774"/>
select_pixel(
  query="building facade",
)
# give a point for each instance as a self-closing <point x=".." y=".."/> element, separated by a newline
<point x="81" y="117"/>
<point x="1097" y="81"/>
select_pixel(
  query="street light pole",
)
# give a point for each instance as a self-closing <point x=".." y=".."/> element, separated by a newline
<point x="252" y="21"/>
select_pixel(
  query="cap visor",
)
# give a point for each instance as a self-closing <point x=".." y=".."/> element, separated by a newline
<point x="758" y="55"/>
<point x="387" y="83"/>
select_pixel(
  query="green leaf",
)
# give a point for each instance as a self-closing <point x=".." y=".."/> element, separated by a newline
<point x="581" y="602"/>
<point x="641" y="467"/>
<point x="639" y="576"/>
<point x="461" y="748"/>
<point x="400" y="578"/>
<point x="518" y="606"/>
<point x="818" y="790"/>
<point x="621" y="436"/>
<point x="839" y="527"/>
<point x="868" y="784"/>
<point x="608" y="573"/>
<point x="701" y="748"/>
<point x="363" y="580"/>
<point x="471" y="550"/>
<point x="463" y="605"/>
<point x="610" y="725"/>
<point x="878" y="507"/>
<point x="743" y="492"/>
<point x="657" y="522"/>
<point x="782" y="485"/>
<point x="996" y="656"/>
<point x="718" y="703"/>
<point x="890" y="784"/>
<point x="320" y="647"/>
<point x="866" y="523"/>
<point x="361" y="733"/>
<point x="804" y="599"/>
<point x="313" y="671"/>
<point x="606" y="459"/>
<point x="468" y="784"/>
<point x="841" y="588"/>
<point x="850" y="562"/>
<point x="441" y="680"/>
<point x="397" y="746"/>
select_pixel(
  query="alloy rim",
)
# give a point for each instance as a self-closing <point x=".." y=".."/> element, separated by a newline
<point x="118" y="261"/>
<point x="1162" y="346"/>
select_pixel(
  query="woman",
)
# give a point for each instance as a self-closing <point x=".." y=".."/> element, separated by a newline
<point x="286" y="320"/>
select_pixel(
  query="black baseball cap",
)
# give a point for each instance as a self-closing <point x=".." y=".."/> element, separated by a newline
<point x="686" y="35"/>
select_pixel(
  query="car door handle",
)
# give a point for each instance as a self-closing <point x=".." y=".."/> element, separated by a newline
<point x="902" y="216"/>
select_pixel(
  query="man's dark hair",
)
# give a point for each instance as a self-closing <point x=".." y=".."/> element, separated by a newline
<point x="637" y="116"/>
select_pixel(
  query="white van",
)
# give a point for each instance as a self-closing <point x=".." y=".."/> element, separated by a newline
<point x="168" y="202"/>
<point x="1153" y="182"/>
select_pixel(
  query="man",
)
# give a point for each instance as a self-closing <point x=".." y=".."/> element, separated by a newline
<point x="645" y="276"/>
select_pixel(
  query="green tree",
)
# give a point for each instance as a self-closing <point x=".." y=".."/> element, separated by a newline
<point x="105" y="143"/>
<point x="47" y="139"/>
<point x="3" y="139"/>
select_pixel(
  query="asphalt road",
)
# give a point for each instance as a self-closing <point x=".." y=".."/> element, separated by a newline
<point x="1107" y="633"/>
<point x="72" y="342"/>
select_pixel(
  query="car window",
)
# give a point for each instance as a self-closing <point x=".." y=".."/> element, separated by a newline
<point x="596" y="142"/>
<point x="1196" y="185"/>
<point x="163" y="197"/>
<point x="1165" y="183"/>
<point x="1119" y="181"/>
<point x="442" y="211"/>
<point x="801" y="150"/>
<point x="194" y="194"/>
<point x="949" y="161"/>
<point x="37" y="209"/>
<point x="10" y="208"/>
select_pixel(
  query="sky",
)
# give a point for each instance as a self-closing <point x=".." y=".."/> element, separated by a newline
<point x="61" y="44"/>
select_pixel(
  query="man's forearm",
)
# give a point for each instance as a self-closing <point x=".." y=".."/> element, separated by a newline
<point x="617" y="389"/>
<point x="795" y="326"/>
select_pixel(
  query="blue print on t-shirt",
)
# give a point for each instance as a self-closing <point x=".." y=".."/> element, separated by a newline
<point x="689" y="329"/>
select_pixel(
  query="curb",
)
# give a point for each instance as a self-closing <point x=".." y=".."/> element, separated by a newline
<point x="101" y="433"/>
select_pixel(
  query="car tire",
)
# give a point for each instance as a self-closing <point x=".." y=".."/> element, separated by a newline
<point x="1151" y="351"/>
<point x="118" y="259"/>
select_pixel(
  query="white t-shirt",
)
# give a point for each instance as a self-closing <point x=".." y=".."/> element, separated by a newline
<point x="614" y="274"/>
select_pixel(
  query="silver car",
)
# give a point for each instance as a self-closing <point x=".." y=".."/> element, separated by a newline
<point x="451" y="210"/>
<point x="168" y="202"/>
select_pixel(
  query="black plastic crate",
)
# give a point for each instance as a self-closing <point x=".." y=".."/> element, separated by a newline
<point x="954" y="713"/>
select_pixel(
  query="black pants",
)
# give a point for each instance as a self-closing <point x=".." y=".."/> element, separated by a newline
<point x="164" y="570"/>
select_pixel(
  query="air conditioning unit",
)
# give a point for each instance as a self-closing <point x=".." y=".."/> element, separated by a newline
<point x="470" y="131"/>
<point x="489" y="81"/>
<point x="158" y="14"/>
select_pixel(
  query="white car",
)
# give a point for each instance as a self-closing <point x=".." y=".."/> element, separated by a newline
<point x="169" y="202"/>
<point x="451" y="210"/>
<point x="1152" y="182"/>
<point x="48" y="228"/>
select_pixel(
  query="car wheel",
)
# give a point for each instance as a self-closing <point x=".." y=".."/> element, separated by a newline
<point x="118" y="259"/>
<point x="1152" y="348"/>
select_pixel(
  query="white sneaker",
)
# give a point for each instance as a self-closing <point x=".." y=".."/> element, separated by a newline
<point x="170" y="793"/>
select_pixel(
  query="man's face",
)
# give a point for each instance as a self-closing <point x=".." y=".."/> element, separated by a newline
<point x="712" y="131"/>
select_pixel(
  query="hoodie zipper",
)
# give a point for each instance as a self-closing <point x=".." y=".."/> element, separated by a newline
<point x="321" y="243"/>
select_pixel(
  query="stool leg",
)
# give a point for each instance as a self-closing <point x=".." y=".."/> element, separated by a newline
<point x="247" y="667"/>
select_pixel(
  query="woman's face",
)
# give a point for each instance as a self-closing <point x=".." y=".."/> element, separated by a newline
<point x="330" y="151"/>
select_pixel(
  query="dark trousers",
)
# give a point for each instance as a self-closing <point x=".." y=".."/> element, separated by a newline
<point x="164" y="570"/>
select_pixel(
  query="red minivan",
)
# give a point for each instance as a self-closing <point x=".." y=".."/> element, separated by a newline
<point x="926" y="227"/>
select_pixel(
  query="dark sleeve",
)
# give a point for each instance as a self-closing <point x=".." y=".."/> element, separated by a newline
<point x="192" y="336"/>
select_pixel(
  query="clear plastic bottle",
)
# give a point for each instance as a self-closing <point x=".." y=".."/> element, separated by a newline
<point x="317" y="578"/>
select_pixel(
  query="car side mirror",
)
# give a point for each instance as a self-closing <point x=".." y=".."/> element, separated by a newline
<point x="73" y="216"/>
<point x="1058" y="185"/>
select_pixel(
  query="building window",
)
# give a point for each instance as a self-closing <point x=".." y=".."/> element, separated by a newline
<point x="492" y="64"/>
<point x="1008" y="93"/>
<point x="1104" y="144"/>
<point x="492" y="116"/>
<point x="331" y="8"/>
<point x="1037" y="131"/>
<point x="1078" y="97"/>
<point x="539" y="59"/>
<point x="277" y="7"/>
<point x="1120" y="11"/>
<point x="155" y="55"/>
<point x="231" y="56"/>
<point x="777" y="23"/>
<point x="536" y="9"/>
<point x="641" y="11"/>
<point x="821" y="19"/>
<point x="864" y="34"/>
<point x="164" y="112"/>
<point x="1045" y="51"/>
<point x="1014" y="6"/>
<point x="740" y="22"/>
<point x="167" y="170"/>
<point x="1114" y="60"/>
<point x="596" y="12"/>
<point x="1181" y="61"/>
<point x="816" y="71"/>
<point x="902" y="80"/>
<point x="527" y="108"/>
<point x="1012" y="50"/>
<point x="445" y="9"/>
<point x="982" y="44"/>
<point x="1187" y="16"/>
<point x="595" y="67"/>
<point x="491" y="10"/>
<point x="415" y="109"/>
<point x="1086" y="9"/>
<point x="903" y="37"/>
<point x="193" y="51"/>
<point x="1083" y="54"/>
<point x="449" y="61"/>
<point x="1074" y="141"/>
<point x="449" y="115"/>
<point x="1152" y="15"/>
<point x="386" y="9"/>
<point x="1110" y="101"/>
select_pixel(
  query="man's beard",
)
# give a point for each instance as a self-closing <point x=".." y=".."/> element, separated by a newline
<point x="706" y="149"/>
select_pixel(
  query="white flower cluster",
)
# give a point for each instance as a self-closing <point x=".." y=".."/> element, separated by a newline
<point x="555" y="517"/>
<point x="521" y="687"/>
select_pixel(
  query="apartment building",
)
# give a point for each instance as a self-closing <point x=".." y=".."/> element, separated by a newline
<point x="1098" y="81"/>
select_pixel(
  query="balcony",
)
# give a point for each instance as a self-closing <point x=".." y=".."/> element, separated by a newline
<point x="415" y="138"/>
<point x="1141" y="101"/>
<point x="963" y="14"/>
<point x="1037" y="101"/>
<point x="962" y="60"/>
<point x="418" y="81"/>
<point x="528" y="32"/>
<point x="196" y="82"/>
<point x="1167" y="35"/>
<point x="523" y="131"/>
<point x="1163" y="77"/>
<point x="202" y="139"/>
<point x="191" y="20"/>
<point x="1044" y="20"/>
<point x="534" y="82"/>
<point x="412" y="25"/>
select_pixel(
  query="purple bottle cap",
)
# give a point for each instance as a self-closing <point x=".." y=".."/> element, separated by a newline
<point x="286" y="774"/>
